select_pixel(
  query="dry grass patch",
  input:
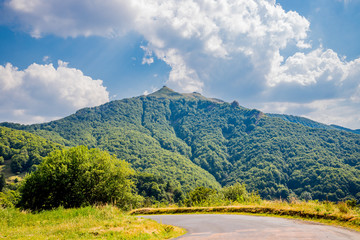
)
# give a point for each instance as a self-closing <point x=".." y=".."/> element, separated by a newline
<point x="326" y="212"/>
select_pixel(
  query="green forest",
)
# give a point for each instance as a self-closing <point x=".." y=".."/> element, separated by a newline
<point x="179" y="142"/>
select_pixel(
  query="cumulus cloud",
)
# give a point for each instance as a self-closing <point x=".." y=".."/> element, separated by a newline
<point x="69" y="18"/>
<point x="42" y="92"/>
<point x="233" y="46"/>
<point x="339" y="111"/>
<point x="191" y="36"/>
<point x="319" y="85"/>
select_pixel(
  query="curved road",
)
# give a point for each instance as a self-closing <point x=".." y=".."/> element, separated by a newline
<point x="226" y="226"/>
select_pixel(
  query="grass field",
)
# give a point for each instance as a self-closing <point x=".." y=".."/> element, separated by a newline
<point x="105" y="222"/>
<point x="340" y="214"/>
<point x="108" y="222"/>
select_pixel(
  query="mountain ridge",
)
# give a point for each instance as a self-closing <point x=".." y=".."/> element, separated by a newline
<point x="311" y="123"/>
<point x="193" y="140"/>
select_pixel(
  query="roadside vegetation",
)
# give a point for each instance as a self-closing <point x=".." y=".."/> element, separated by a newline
<point x="341" y="214"/>
<point x="102" y="222"/>
<point x="82" y="193"/>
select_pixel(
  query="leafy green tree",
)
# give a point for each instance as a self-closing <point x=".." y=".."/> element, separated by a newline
<point x="76" y="177"/>
<point x="2" y="182"/>
<point x="2" y="160"/>
<point x="200" y="194"/>
<point x="155" y="188"/>
<point x="236" y="192"/>
<point x="306" y="196"/>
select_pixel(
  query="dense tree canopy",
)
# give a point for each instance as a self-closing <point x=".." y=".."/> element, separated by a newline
<point x="191" y="141"/>
<point x="76" y="177"/>
<point x="24" y="150"/>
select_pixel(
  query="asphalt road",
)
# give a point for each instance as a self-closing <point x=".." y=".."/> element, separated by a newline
<point x="226" y="226"/>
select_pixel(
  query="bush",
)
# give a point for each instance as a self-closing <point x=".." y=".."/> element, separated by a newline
<point x="306" y="196"/>
<point x="78" y="177"/>
<point x="343" y="207"/>
<point x="200" y="195"/>
<point x="236" y="192"/>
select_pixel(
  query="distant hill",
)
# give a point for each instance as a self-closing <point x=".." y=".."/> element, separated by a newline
<point x="310" y="123"/>
<point x="193" y="140"/>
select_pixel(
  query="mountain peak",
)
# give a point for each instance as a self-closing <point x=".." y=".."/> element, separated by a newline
<point x="165" y="92"/>
<point x="165" y="89"/>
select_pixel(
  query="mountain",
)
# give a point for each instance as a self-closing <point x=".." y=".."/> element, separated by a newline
<point x="193" y="140"/>
<point x="310" y="123"/>
<point x="21" y="151"/>
<point x="357" y="131"/>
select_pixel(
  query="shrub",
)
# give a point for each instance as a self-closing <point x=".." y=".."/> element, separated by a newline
<point x="343" y="208"/>
<point x="200" y="195"/>
<point x="78" y="177"/>
<point x="306" y="196"/>
<point x="236" y="192"/>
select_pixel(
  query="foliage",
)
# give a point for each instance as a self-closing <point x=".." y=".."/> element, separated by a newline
<point x="306" y="196"/>
<point x="78" y="177"/>
<point x="101" y="222"/>
<point x="155" y="189"/>
<point x="23" y="149"/>
<point x="2" y="182"/>
<point x="326" y="212"/>
<point x="310" y="123"/>
<point x="236" y="192"/>
<point x="191" y="141"/>
<point x="200" y="195"/>
<point x="9" y="198"/>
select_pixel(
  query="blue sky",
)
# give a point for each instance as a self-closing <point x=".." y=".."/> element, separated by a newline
<point x="286" y="56"/>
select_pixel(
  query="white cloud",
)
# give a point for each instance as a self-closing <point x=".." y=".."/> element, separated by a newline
<point x="147" y="59"/>
<point x="196" y="37"/>
<point x="309" y="69"/>
<point x="72" y="18"/>
<point x="46" y="59"/>
<point x="319" y="85"/>
<point x="233" y="46"/>
<point x="184" y="33"/>
<point x="341" y="111"/>
<point x="42" y="93"/>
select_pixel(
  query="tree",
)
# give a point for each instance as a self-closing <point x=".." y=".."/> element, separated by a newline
<point x="77" y="177"/>
<point x="2" y="182"/>
<point x="200" y="194"/>
<point x="236" y="192"/>
<point x="306" y="196"/>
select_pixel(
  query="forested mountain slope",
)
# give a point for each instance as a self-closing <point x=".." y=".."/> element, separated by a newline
<point x="200" y="141"/>
<point x="22" y="151"/>
<point x="310" y="123"/>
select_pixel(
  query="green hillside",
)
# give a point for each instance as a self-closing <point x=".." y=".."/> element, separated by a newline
<point x="310" y="123"/>
<point x="194" y="140"/>
<point x="21" y="151"/>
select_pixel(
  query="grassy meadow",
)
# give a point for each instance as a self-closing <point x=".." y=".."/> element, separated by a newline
<point x="105" y="222"/>
<point x="109" y="222"/>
